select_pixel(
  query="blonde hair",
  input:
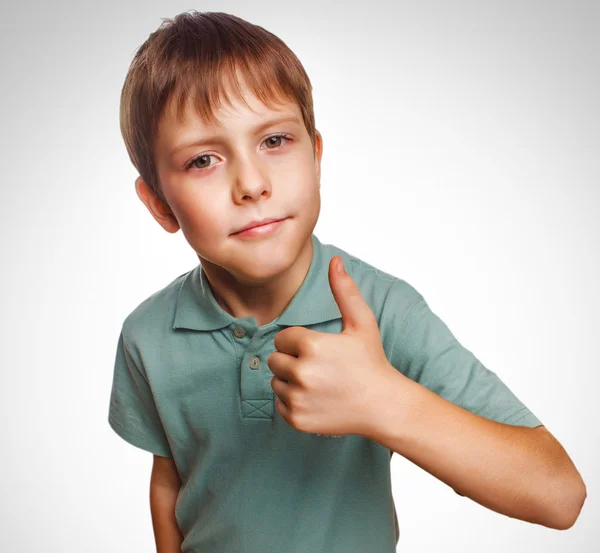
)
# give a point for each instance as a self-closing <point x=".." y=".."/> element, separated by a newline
<point x="189" y="57"/>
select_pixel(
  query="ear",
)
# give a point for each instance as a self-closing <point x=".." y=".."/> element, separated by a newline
<point x="155" y="206"/>
<point x="318" y="153"/>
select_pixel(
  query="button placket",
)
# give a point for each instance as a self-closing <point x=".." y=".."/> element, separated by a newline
<point x="256" y="394"/>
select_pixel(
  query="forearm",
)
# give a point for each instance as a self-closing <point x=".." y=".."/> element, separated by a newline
<point x="509" y="469"/>
<point x="167" y="534"/>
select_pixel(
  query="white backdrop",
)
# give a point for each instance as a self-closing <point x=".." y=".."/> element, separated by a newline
<point x="463" y="136"/>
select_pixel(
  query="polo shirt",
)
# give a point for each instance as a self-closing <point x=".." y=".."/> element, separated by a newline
<point x="191" y="382"/>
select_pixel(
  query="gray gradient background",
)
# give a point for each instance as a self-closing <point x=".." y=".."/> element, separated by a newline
<point x="463" y="137"/>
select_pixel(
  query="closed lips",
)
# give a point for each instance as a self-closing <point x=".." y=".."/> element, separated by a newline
<point x="258" y="224"/>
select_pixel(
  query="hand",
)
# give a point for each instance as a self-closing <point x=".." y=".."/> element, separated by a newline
<point x="330" y="383"/>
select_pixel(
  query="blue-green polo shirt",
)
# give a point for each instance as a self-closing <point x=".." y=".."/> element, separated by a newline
<point x="192" y="382"/>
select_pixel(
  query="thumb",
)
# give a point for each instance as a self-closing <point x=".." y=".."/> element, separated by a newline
<point x="356" y="313"/>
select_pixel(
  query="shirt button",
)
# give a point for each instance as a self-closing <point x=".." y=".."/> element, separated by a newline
<point x="239" y="331"/>
<point x="254" y="362"/>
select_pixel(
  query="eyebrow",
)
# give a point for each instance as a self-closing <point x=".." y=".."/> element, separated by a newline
<point x="258" y="128"/>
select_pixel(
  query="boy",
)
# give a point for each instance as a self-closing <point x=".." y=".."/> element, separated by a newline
<point x="272" y="390"/>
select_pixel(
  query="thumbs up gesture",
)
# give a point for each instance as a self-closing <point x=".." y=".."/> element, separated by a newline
<point x="331" y="383"/>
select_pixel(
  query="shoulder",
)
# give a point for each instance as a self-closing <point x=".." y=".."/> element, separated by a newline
<point x="362" y="273"/>
<point x="388" y="295"/>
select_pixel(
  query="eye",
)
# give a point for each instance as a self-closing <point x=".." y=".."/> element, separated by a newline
<point x="268" y="140"/>
<point x="199" y="158"/>
<point x="192" y="163"/>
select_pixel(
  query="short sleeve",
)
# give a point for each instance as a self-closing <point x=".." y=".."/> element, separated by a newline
<point x="132" y="411"/>
<point x="426" y="351"/>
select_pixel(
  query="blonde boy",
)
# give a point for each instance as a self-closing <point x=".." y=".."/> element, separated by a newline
<point x="272" y="389"/>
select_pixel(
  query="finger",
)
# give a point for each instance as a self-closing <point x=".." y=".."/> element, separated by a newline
<point x="281" y="390"/>
<point x="356" y="312"/>
<point x="282" y="409"/>
<point x="281" y="365"/>
<point x="289" y="340"/>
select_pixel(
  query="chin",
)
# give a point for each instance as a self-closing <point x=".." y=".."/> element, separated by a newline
<point x="268" y="258"/>
<point x="257" y="276"/>
<point x="270" y="262"/>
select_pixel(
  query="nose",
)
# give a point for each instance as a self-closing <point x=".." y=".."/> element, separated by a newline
<point x="251" y="181"/>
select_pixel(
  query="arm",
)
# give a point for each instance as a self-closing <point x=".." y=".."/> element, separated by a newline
<point x="133" y="415"/>
<point x="521" y="472"/>
<point x="448" y="413"/>
<point x="164" y="488"/>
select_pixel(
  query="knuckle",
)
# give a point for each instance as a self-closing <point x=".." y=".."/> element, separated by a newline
<point x="304" y="376"/>
<point x="293" y="400"/>
<point x="311" y="345"/>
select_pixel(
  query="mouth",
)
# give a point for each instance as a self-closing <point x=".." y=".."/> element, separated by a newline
<point x="261" y="229"/>
<point x="256" y="224"/>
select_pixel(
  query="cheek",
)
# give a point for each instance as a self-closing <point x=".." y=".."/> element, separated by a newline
<point x="203" y="217"/>
<point x="300" y="184"/>
<point x="309" y="193"/>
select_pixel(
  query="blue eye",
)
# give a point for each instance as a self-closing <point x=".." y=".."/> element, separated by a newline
<point x="189" y="166"/>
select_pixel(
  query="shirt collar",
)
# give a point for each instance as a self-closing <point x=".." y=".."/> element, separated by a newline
<point x="197" y="309"/>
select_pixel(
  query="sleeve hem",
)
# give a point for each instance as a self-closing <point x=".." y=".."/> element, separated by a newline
<point x="523" y="417"/>
<point x="137" y="440"/>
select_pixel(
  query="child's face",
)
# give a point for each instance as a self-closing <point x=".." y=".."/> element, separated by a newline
<point x="241" y="175"/>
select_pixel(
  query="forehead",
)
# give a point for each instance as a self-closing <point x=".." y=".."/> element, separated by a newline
<point x="231" y="112"/>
